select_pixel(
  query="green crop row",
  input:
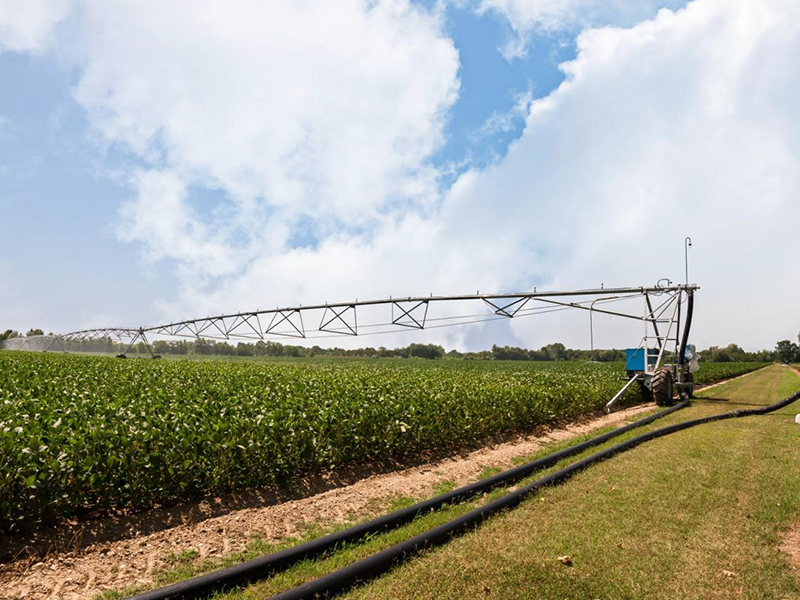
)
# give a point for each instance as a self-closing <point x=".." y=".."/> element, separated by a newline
<point x="82" y="433"/>
<point x="711" y="372"/>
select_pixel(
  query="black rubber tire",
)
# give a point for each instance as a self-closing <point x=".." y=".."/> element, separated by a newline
<point x="663" y="389"/>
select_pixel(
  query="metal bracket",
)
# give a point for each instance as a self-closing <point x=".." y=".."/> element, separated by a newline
<point x="287" y="317"/>
<point x="406" y="317"/>
<point x="243" y="320"/>
<point x="504" y="311"/>
<point x="339" y="316"/>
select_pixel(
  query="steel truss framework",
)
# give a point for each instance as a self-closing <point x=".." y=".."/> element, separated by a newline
<point x="340" y="319"/>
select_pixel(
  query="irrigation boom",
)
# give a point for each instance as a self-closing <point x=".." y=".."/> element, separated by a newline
<point x="410" y="312"/>
<point x="645" y="364"/>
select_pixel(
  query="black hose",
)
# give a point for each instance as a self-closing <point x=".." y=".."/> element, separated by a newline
<point x="347" y="576"/>
<point x="264" y="566"/>
<point x="685" y="338"/>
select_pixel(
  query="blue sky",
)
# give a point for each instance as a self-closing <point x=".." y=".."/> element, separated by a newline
<point x="61" y="202"/>
<point x="62" y="188"/>
<point x="388" y="148"/>
<point x="490" y="83"/>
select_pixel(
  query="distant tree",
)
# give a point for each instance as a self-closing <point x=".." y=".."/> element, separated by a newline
<point x="608" y="355"/>
<point x="764" y="356"/>
<point x="225" y="349"/>
<point x="482" y="355"/>
<point x="244" y="349"/>
<point x="8" y="334"/>
<point x="723" y="355"/>
<point x="32" y="332"/>
<point x="557" y="351"/>
<point x="734" y="353"/>
<point x="786" y="351"/>
<point x="273" y="349"/>
<point x="426" y="351"/>
<point x="511" y="353"/>
<point x="180" y="347"/>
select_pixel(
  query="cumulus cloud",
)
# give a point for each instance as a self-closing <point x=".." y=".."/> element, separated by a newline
<point x="323" y="123"/>
<point x="319" y="109"/>
<point x="160" y="217"/>
<point x="686" y="124"/>
<point x="313" y="116"/>
<point x="550" y="16"/>
<point x="27" y="25"/>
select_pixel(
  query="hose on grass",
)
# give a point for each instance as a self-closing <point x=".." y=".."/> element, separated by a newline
<point x="363" y="569"/>
<point x="265" y="566"/>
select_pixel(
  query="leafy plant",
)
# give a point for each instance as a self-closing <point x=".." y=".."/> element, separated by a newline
<point x="81" y="433"/>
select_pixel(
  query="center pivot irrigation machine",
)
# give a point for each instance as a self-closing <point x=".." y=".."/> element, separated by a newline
<point x="656" y="369"/>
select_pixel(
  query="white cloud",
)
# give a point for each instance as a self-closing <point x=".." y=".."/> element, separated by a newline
<point x="160" y="217"/>
<point x="321" y="115"/>
<point x="527" y="16"/>
<point x="686" y="124"/>
<point x="27" y="25"/>
<point x="321" y="110"/>
<point x="506" y="121"/>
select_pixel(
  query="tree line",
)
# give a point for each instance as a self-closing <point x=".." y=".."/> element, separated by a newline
<point x="10" y="333"/>
<point x="785" y="351"/>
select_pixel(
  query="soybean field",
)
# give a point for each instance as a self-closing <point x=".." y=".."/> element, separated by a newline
<point x="88" y="433"/>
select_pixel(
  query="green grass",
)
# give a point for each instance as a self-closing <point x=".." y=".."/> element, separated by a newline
<point x="697" y="514"/>
<point x="487" y="472"/>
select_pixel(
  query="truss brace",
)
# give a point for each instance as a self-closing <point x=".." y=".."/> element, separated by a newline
<point x="292" y="322"/>
<point x="409" y="312"/>
<point x="410" y="315"/>
<point x="250" y="324"/>
<point x="508" y="309"/>
<point x="139" y="335"/>
<point x="340" y="316"/>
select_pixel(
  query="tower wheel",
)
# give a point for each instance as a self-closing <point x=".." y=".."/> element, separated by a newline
<point x="663" y="389"/>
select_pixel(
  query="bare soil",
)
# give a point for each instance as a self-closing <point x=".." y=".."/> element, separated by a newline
<point x="790" y="544"/>
<point x="80" y="559"/>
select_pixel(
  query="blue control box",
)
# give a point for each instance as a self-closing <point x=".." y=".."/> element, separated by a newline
<point x="634" y="358"/>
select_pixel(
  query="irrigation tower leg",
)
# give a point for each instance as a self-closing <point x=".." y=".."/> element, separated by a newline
<point x="140" y="336"/>
<point x="146" y="343"/>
